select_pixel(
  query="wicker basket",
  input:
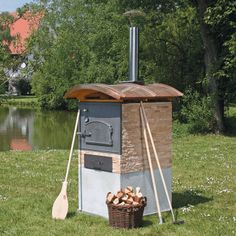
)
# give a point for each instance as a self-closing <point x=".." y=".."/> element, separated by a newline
<point x="125" y="216"/>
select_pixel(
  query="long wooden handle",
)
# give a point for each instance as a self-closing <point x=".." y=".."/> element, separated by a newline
<point x="151" y="168"/>
<point x="157" y="160"/>
<point x="72" y="145"/>
<point x="79" y="172"/>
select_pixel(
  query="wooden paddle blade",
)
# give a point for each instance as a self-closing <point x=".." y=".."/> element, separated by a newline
<point x="60" y="206"/>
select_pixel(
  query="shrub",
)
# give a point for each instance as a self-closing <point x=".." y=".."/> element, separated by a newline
<point x="23" y="86"/>
<point x="3" y="87"/>
<point x="197" y="112"/>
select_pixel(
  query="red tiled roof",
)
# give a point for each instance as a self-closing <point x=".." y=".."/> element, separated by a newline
<point x="22" y="28"/>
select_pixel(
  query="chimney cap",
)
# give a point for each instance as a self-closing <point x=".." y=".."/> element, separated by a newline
<point x="134" y="13"/>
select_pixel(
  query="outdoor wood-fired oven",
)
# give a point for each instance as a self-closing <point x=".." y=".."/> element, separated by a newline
<point x="112" y="148"/>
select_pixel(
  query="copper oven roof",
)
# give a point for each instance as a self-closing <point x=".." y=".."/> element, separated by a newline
<point x="124" y="92"/>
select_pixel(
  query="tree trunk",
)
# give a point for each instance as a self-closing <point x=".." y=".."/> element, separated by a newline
<point x="211" y="62"/>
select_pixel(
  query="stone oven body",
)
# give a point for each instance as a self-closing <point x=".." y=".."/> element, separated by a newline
<point x="112" y="150"/>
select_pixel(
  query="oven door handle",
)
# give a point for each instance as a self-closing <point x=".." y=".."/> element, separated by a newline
<point x="84" y="134"/>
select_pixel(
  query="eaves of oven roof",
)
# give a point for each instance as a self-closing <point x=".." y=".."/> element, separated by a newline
<point x="123" y="92"/>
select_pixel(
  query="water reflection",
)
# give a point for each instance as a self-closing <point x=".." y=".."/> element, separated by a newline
<point x="26" y="129"/>
<point x="20" y="145"/>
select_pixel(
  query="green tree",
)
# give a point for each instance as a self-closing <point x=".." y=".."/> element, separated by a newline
<point x="83" y="45"/>
<point x="4" y="58"/>
<point x="173" y="51"/>
<point x="181" y="44"/>
<point x="217" y="27"/>
<point x="87" y="41"/>
<point x="5" y="38"/>
<point x="5" y="20"/>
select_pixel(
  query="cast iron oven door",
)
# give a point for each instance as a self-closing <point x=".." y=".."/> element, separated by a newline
<point x="100" y="127"/>
<point x="98" y="133"/>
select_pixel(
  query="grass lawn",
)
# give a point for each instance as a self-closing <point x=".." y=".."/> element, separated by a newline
<point x="204" y="177"/>
<point x="20" y="101"/>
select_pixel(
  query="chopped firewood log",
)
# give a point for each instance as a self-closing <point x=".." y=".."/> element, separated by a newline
<point x="137" y="199"/>
<point x="139" y="195"/>
<point x="130" y="188"/>
<point x="110" y="197"/>
<point x="122" y="204"/>
<point x="135" y="203"/>
<point x="130" y="200"/>
<point x="138" y="190"/>
<point x="130" y="194"/>
<point x="116" y="201"/>
<point x="124" y="198"/>
<point x="119" y="194"/>
<point x="126" y="191"/>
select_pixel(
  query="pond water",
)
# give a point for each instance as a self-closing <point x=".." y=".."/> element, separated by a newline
<point x="31" y="129"/>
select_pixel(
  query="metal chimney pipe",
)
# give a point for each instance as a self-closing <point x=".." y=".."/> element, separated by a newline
<point x="133" y="54"/>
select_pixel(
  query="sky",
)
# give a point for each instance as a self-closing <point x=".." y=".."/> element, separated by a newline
<point x="11" y="5"/>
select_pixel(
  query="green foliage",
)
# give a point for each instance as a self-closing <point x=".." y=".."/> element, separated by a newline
<point x="23" y="86"/>
<point x="230" y="119"/>
<point x="197" y="112"/>
<point x="180" y="129"/>
<point x="5" y="20"/>
<point x="5" y="58"/>
<point x="3" y="86"/>
<point x="84" y="48"/>
<point x="22" y="10"/>
<point x="173" y="50"/>
<point x="87" y="42"/>
<point x="220" y="16"/>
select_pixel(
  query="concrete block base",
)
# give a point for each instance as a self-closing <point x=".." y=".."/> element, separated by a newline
<point x="96" y="184"/>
